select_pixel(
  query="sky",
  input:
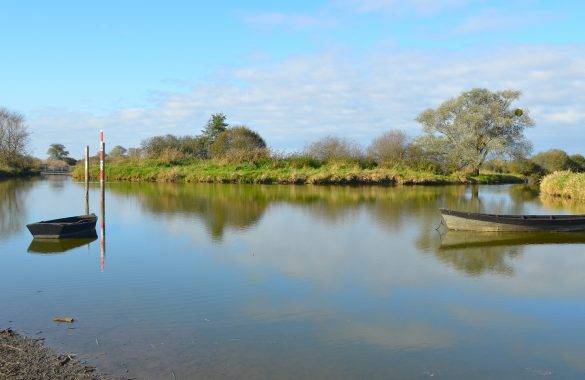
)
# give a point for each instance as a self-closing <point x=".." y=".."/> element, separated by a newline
<point x="293" y="71"/>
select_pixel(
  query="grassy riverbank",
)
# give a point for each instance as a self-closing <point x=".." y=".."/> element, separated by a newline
<point x="8" y="172"/>
<point x="277" y="172"/>
<point x="564" y="184"/>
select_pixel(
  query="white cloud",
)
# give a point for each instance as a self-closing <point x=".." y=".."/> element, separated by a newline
<point x="288" y="20"/>
<point x="295" y="100"/>
<point x="400" y="6"/>
<point x="494" y="20"/>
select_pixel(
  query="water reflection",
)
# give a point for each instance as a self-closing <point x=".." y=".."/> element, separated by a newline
<point x="242" y="206"/>
<point x="102" y="223"/>
<point x="13" y="194"/>
<point x="478" y="253"/>
<point x="467" y="239"/>
<point x="218" y="206"/>
<point x="563" y="205"/>
<point x="304" y="282"/>
<point x="59" y="245"/>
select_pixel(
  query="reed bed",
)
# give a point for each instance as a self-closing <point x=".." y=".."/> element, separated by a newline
<point x="564" y="184"/>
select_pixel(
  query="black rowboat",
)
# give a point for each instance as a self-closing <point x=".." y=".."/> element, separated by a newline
<point x="75" y="226"/>
<point x="469" y="221"/>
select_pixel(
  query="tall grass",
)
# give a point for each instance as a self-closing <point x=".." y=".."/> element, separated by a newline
<point x="564" y="184"/>
<point x="284" y="170"/>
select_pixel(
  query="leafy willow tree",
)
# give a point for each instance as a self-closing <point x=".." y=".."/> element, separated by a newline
<point x="57" y="152"/>
<point x="478" y="124"/>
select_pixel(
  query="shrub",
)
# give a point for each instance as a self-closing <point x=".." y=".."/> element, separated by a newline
<point x="577" y="162"/>
<point x="553" y="160"/>
<point x="255" y="156"/>
<point x="134" y="153"/>
<point x="188" y="145"/>
<point x="496" y="165"/>
<point x="564" y="184"/>
<point x="390" y="148"/>
<point x="526" y="167"/>
<point x="171" y="156"/>
<point x="331" y="148"/>
<point x="53" y="163"/>
<point x="118" y="151"/>
<point x="237" y="141"/>
<point x="300" y="160"/>
<point x="420" y="157"/>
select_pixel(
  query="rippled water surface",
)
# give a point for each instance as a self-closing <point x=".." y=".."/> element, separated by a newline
<point x="234" y="281"/>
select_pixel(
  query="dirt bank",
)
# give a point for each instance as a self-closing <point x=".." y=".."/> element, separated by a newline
<point x="25" y="358"/>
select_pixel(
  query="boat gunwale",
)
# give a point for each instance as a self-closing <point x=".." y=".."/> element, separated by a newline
<point x="90" y="218"/>
<point x="512" y="218"/>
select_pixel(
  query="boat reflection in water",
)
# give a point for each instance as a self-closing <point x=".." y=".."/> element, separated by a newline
<point x="480" y="253"/>
<point x="468" y="239"/>
<point x="59" y="245"/>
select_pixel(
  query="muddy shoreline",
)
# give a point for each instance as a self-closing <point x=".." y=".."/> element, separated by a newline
<point x="26" y="358"/>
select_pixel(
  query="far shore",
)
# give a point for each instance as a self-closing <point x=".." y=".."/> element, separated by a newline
<point x="250" y="173"/>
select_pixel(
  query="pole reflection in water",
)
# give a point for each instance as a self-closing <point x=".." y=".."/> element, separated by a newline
<point x="102" y="203"/>
<point x="102" y="227"/>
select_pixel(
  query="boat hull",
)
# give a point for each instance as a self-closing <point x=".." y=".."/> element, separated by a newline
<point x="465" y="221"/>
<point x="78" y="226"/>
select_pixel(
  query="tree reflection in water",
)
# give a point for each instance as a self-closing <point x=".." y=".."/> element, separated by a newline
<point x="13" y="193"/>
<point x="221" y="207"/>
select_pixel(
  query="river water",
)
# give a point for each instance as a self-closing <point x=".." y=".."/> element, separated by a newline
<point x="252" y="281"/>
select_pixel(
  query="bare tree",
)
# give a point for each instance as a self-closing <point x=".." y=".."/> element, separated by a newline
<point x="331" y="148"/>
<point x="390" y="148"/>
<point x="14" y="136"/>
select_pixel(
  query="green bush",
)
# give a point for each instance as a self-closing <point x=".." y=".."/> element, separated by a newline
<point x="525" y="167"/>
<point x="237" y="141"/>
<point x="188" y="145"/>
<point x="553" y="160"/>
<point x="299" y="161"/>
<point x="578" y="162"/>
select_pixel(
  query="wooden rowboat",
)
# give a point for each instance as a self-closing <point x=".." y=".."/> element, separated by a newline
<point x="469" y="221"/>
<point x="75" y="226"/>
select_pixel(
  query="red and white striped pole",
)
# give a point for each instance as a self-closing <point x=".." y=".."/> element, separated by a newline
<point x="102" y="157"/>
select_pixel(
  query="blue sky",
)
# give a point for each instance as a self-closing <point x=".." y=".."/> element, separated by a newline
<point x="294" y="71"/>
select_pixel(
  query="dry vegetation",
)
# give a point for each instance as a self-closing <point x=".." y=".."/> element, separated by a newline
<point x="564" y="184"/>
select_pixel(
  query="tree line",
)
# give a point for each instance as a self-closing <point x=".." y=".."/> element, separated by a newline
<point x="478" y="129"/>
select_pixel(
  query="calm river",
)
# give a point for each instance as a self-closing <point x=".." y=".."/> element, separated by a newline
<point x="236" y="281"/>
